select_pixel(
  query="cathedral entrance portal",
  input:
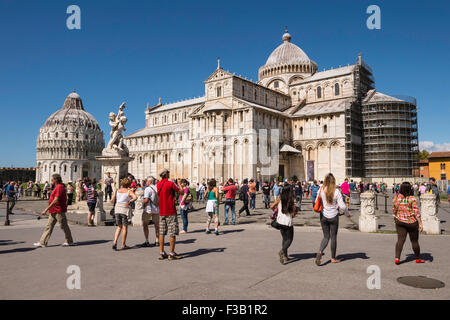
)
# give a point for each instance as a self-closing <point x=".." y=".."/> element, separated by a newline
<point x="310" y="170"/>
<point x="281" y="171"/>
<point x="85" y="171"/>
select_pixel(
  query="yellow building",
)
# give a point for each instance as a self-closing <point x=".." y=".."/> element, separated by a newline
<point x="439" y="163"/>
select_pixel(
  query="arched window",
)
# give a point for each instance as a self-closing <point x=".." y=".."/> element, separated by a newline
<point x="56" y="135"/>
<point x="336" y="89"/>
<point x="76" y="135"/>
<point x="153" y="158"/>
<point x="165" y="158"/>
<point x="219" y="91"/>
<point x="325" y="129"/>
<point x="45" y="168"/>
<point x="54" y="168"/>
<point x="69" y="152"/>
<point x="319" y="92"/>
<point x="65" y="168"/>
<point x="75" y="168"/>
<point x="301" y="131"/>
<point x="140" y="159"/>
<point x="66" y="135"/>
<point x="179" y="157"/>
<point x="276" y="84"/>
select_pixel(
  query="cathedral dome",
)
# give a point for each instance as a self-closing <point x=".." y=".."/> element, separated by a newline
<point x="287" y="53"/>
<point x="287" y="58"/>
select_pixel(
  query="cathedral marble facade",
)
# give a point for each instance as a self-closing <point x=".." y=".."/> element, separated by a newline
<point x="312" y="119"/>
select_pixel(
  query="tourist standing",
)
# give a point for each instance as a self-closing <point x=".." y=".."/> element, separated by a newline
<point x="329" y="217"/>
<point x="108" y="186"/>
<point x="168" y="221"/>
<point x="314" y="190"/>
<point x="79" y="190"/>
<point x="45" y="191"/>
<point x="91" y="202"/>
<point x="433" y="189"/>
<point x="286" y="213"/>
<point x="266" y="194"/>
<point x="298" y="194"/>
<point x="123" y="198"/>
<point x="276" y="190"/>
<point x="70" y="191"/>
<point x="151" y="210"/>
<point x="243" y="196"/>
<point x="345" y="188"/>
<point x="407" y="221"/>
<point x="230" y="200"/>
<point x="212" y="206"/>
<point x="252" y="193"/>
<point x="185" y="204"/>
<point x="57" y="208"/>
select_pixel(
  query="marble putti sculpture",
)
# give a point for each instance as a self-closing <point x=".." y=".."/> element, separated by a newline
<point x="115" y="145"/>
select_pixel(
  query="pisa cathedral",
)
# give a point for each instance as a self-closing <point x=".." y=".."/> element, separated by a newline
<point x="294" y="121"/>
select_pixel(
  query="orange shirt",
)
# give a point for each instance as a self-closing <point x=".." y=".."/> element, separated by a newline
<point x="252" y="187"/>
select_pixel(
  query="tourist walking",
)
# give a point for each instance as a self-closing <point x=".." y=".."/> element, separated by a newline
<point x="332" y="201"/>
<point x="185" y="204"/>
<point x="230" y="190"/>
<point x="407" y="221"/>
<point x="266" y="194"/>
<point x="57" y="208"/>
<point x="11" y="196"/>
<point x="243" y="196"/>
<point x="151" y="211"/>
<point x="298" y="194"/>
<point x="314" y="190"/>
<point x="345" y="189"/>
<point x="91" y="202"/>
<point x="212" y="206"/>
<point x="252" y="194"/>
<point x="276" y="190"/>
<point x="168" y="220"/>
<point x="123" y="198"/>
<point x="286" y="213"/>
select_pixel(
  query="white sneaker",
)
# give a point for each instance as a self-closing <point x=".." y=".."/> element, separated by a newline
<point x="65" y="244"/>
<point x="39" y="245"/>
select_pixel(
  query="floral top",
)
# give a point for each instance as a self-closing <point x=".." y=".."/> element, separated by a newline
<point x="406" y="209"/>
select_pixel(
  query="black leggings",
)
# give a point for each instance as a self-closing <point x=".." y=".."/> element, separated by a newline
<point x="287" y="234"/>
<point x="330" y="229"/>
<point x="403" y="229"/>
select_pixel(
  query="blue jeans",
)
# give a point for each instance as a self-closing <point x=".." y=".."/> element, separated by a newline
<point x="314" y="196"/>
<point x="252" y="200"/>
<point x="230" y="204"/>
<point x="184" y="217"/>
<point x="266" y="200"/>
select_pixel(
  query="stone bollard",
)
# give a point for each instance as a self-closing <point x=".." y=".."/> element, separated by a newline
<point x="100" y="215"/>
<point x="138" y="209"/>
<point x="368" y="222"/>
<point x="431" y="224"/>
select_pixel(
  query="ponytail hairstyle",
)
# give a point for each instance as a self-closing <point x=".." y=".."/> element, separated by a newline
<point x="329" y="186"/>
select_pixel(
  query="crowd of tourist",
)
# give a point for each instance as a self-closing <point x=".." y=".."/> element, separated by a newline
<point x="164" y="199"/>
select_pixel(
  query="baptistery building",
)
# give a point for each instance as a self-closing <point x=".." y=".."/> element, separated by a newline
<point x="68" y="143"/>
<point x="295" y="121"/>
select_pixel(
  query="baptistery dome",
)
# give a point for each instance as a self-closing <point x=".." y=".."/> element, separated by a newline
<point x="68" y="143"/>
<point x="285" y="63"/>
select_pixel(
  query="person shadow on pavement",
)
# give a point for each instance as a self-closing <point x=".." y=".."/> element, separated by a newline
<point x="200" y="252"/>
<point x="301" y="256"/>
<point x="425" y="256"/>
<point x="349" y="256"/>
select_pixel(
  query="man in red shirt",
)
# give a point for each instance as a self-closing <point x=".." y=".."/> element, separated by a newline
<point x="168" y="220"/>
<point x="57" y="207"/>
<point x="230" y="203"/>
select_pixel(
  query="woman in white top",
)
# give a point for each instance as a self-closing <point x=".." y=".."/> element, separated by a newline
<point x="286" y="213"/>
<point x="123" y="198"/>
<point x="329" y="217"/>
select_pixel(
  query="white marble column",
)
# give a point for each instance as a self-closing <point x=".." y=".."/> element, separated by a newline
<point x="367" y="219"/>
<point x="431" y="224"/>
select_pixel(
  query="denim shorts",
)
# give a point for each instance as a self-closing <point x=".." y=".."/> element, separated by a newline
<point x="91" y="206"/>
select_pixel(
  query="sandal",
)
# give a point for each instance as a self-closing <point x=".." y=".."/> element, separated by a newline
<point x="335" y="261"/>
<point x="125" y="247"/>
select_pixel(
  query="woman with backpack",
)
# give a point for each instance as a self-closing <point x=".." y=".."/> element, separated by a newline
<point x="185" y="204"/>
<point x="332" y="201"/>
<point x="407" y="221"/>
<point x="212" y="206"/>
<point x="286" y="212"/>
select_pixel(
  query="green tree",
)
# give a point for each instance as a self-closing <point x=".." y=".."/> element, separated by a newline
<point x="423" y="155"/>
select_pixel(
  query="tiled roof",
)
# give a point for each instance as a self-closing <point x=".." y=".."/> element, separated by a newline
<point x="330" y="73"/>
<point x="326" y="107"/>
<point x="179" y="104"/>
<point x="171" y="128"/>
<point x="441" y="154"/>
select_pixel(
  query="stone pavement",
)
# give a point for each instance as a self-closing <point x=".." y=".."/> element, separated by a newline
<point x="241" y="263"/>
<point x="307" y="216"/>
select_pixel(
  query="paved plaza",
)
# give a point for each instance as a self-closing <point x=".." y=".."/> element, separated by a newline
<point x="241" y="263"/>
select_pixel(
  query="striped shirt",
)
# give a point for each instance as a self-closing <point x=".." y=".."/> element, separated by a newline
<point x="406" y="209"/>
<point x="91" y="194"/>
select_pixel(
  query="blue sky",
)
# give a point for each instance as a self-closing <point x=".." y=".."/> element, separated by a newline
<point x="137" y="51"/>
